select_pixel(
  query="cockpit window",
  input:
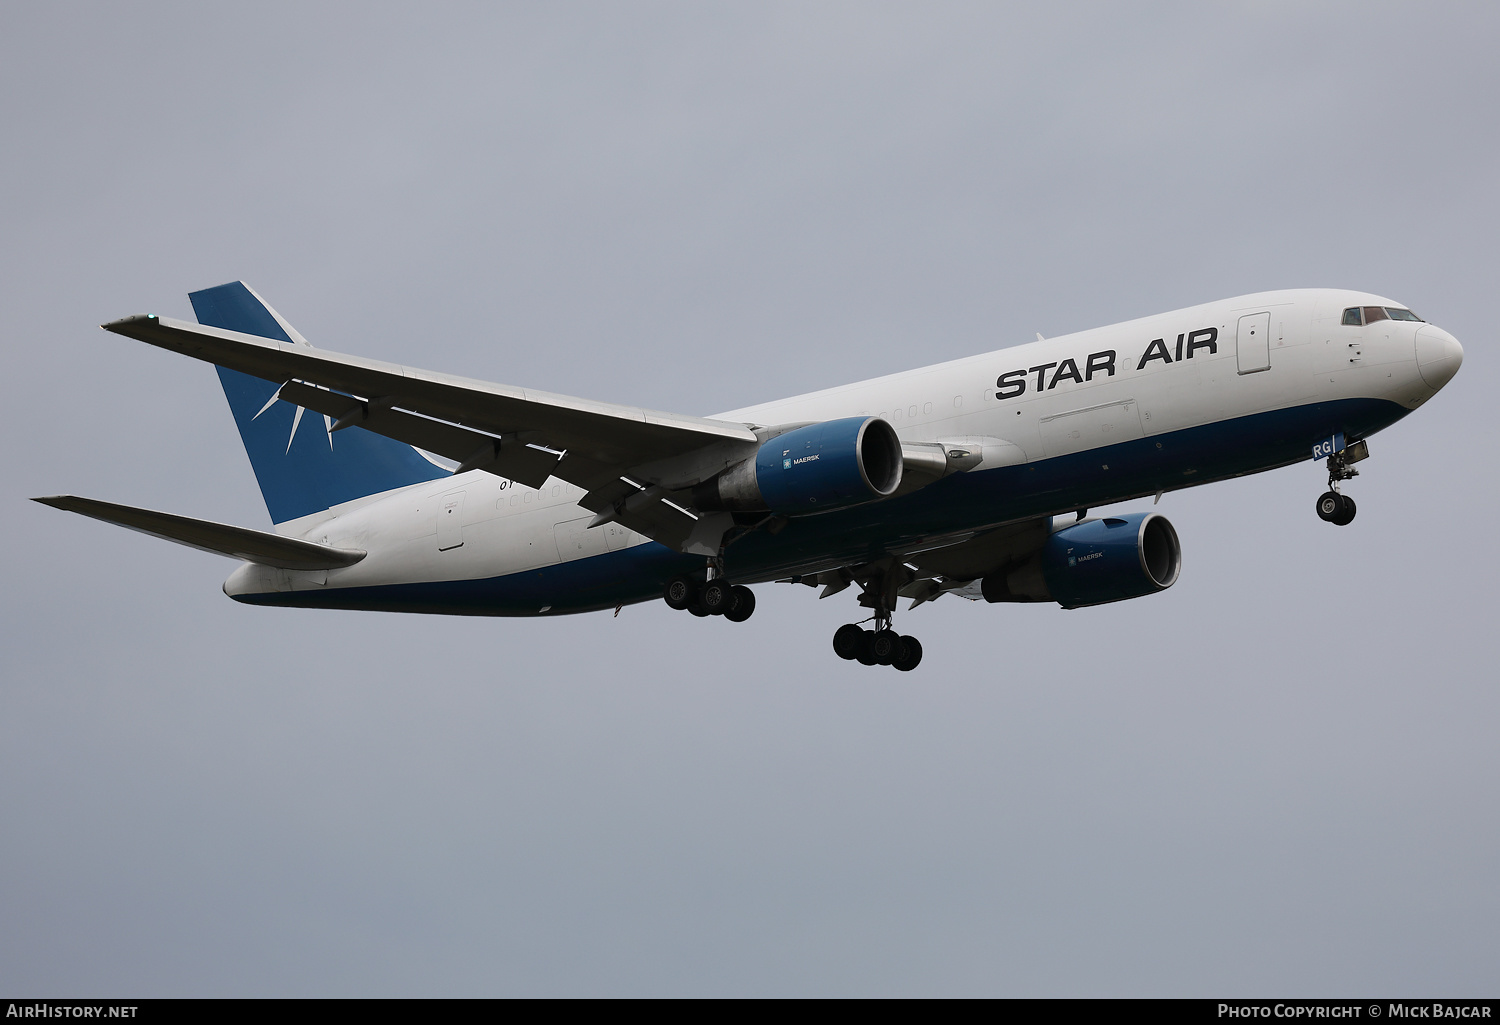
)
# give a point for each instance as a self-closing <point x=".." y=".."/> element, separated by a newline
<point x="1399" y="314"/>
<point x="1353" y="317"/>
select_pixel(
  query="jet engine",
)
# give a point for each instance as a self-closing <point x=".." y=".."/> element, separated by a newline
<point x="1095" y="562"/>
<point x="817" y="468"/>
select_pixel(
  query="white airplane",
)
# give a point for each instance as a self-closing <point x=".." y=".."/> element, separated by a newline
<point x="972" y="477"/>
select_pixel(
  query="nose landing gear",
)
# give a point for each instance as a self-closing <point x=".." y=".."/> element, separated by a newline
<point x="1336" y="508"/>
<point x="1333" y="506"/>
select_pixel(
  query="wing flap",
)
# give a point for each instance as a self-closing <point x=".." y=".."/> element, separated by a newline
<point x="510" y="457"/>
<point x="207" y="536"/>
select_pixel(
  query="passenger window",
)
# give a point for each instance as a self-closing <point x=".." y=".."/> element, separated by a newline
<point x="1351" y="317"/>
<point x="1374" y="313"/>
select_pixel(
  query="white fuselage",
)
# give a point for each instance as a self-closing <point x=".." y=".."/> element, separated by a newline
<point x="1026" y="404"/>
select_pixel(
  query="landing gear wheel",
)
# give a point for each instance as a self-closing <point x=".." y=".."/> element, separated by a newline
<point x="847" y="641"/>
<point x="698" y="610"/>
<point x="1330" y="505"/>
<point x="716" y="598"/>
<point x="885" y="646"/>
<point x="1346" y="514"/>
<point x="741" y="604"/>
<point x="866" y="654"/>
<point x="680" y="592"/>
<point x="910" y="655"/>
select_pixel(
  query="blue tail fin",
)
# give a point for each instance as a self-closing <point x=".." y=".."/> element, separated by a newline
<point x="301" y="467"/>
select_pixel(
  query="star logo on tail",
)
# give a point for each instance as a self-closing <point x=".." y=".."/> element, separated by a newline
<point x="297" y="421"/>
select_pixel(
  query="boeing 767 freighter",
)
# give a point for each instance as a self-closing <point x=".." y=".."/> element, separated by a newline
<point x="973" y="477"/>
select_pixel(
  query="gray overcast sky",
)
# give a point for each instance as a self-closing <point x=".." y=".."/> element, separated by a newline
<point x="1279" y="777"/>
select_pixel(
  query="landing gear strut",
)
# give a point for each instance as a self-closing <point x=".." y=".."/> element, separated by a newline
<point x="1333" y="506"/>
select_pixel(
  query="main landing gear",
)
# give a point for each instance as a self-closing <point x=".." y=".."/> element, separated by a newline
<point x="1333" y="506"/>
<point x="716" y="597"/>
<point x="879" y="647"/>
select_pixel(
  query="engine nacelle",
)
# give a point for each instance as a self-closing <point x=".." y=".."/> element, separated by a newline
<point x="1096" y="562"/>
<point x="812" y="469"/>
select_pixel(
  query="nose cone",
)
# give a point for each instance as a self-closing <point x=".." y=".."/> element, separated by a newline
<point x="1438" y="356"/>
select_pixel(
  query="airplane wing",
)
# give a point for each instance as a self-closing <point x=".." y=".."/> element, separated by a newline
<point x="207" y="536"/>
<point x="635" y="464"/>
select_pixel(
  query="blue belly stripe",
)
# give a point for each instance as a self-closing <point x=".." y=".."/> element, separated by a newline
<point x="1165" y="462"/>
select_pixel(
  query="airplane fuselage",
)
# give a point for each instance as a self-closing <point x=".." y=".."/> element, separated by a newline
<point x="1078" y="421"/>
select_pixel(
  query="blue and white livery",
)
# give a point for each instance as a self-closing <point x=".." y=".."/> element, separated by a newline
<point x="972" y="477"/>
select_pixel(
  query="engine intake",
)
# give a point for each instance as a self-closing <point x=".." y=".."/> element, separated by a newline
<point x="831" y="465"/>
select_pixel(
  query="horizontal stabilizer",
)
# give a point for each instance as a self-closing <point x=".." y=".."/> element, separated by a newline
<point x="220" y="538"/>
